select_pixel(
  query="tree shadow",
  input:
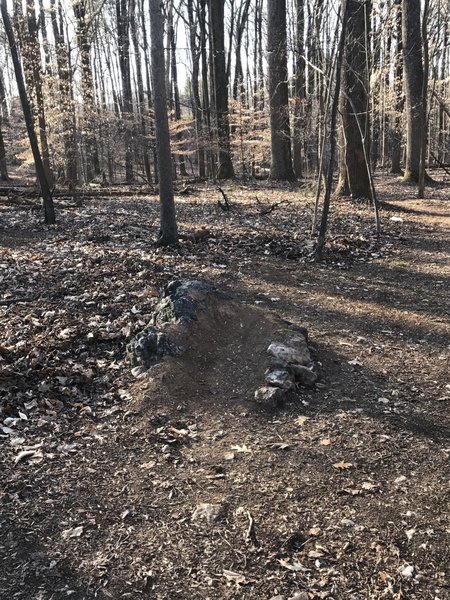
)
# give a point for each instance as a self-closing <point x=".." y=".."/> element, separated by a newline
<point x="29" y="571"/>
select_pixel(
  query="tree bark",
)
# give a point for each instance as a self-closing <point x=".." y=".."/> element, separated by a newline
<point x="123" y="35"/>
<point x="169" y="231"/>
<point x="67" y="108"/>
<point x="354" y="148"/>
<point x="49" y="211"/>
<point x="396" y="142"/>
<point x="281" y="157"/>
<point x="299" y="87"/>
<point x="220" y="86"/>
<point x="413" y="73"/>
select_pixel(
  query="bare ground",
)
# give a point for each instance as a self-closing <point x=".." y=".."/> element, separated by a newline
<point x="343" y="493"/>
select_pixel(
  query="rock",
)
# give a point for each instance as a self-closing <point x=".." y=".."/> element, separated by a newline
<point x="302" y="374"/>
<point x="280" y="378"/>
<point x="149" y="347"/>
<point x="270" y="395"/>
<point x="207" y="512"/>
<point x="138" y="371"/>
<point x="181" y="302"/>
<point x="295" y="351"/>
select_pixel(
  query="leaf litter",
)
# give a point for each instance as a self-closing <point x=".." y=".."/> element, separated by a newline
<point x="77" y="293"/>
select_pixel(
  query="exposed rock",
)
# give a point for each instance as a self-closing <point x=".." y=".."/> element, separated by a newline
<point x="207" y="512"/>
<point x="270" y="395"/>
<point x="181" y="302"/>
<point x="295" y="351"/>
<point x="280" y="378"/>
<point x="302" y="374"/>
<point x="149" y="347"/>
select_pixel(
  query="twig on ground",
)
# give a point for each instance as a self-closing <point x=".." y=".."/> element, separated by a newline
<point x="225" y="206"/>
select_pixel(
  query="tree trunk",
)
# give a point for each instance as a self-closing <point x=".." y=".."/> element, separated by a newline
<point x="334" y="111"/>
<point x="426" y="68"/>
<point x="140" y="88"/>
<point x="169" y="232"/>
<point x="87" y="90"/>
<point x="33" y="74"/>
<point x="67" y="108"/>
<point x="176" y="90"/>
<point x="3" y="167"/>
<point x="353" y="169"/>
<point x="40" y="171"/>
<point x="396" y="143"/>
<point x="123" y="35"/>
<point x="197" y="105"/>
<point x="281" y="157"/>
<point x="413" y="73"/>
<point x="220" y="86"/>
<point x="299" y="87"/>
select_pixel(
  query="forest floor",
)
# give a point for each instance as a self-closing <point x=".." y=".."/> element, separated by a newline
<point x="107" y="491"/>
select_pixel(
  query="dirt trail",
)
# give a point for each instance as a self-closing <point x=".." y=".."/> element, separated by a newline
<point x="343" y="493"/>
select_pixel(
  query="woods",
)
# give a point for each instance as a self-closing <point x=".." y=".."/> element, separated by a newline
<point x="224" y="307"/>
<point x="246" y="84"/>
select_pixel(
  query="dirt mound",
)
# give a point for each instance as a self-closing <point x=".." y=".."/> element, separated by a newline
<point x="220" y="356"/>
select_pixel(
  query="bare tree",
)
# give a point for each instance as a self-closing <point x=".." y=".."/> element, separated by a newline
<point x="354" y="132"/>
<point x="225" y="168"/>
<point x="281" y="157"/>
<point x="39" y="165"/>
<point x="413" y="77"/>
<point x="169" y="231"/>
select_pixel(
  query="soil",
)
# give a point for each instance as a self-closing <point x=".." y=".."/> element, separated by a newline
<point x="177" y="484"/>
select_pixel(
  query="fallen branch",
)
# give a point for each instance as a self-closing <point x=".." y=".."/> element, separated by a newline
<point x="271" y="208"/>
<point x="440" y="163"/>
<point x="225" y="206"/>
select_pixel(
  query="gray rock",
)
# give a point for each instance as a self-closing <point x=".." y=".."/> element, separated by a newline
<point x="295" y="351"/>
<point x="181" y="302"/>
<point x="304" y="375"/>
<point x="149" y="346"/>
<point x="280" y="378"/>
<point x="207" y="512"/>
<point x="270" y="395"/>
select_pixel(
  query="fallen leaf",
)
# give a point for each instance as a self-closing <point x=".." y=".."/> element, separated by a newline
<point x="24" y="454"/>
<point x="242" y="449"/>
<point x="342" y="465"/>
<point x="237" y="578"/>
<point x="355" y="362"/>
<point x="74" y="532"/>
<point x="369" y="486"/>
<point x="351" y="491"/>
<point x="295" y="566"/>
<point x="279" y="446"/>
<point x="407" y="572"/>
<point x="315" y="554"/>
<point x="400" y="479"/>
